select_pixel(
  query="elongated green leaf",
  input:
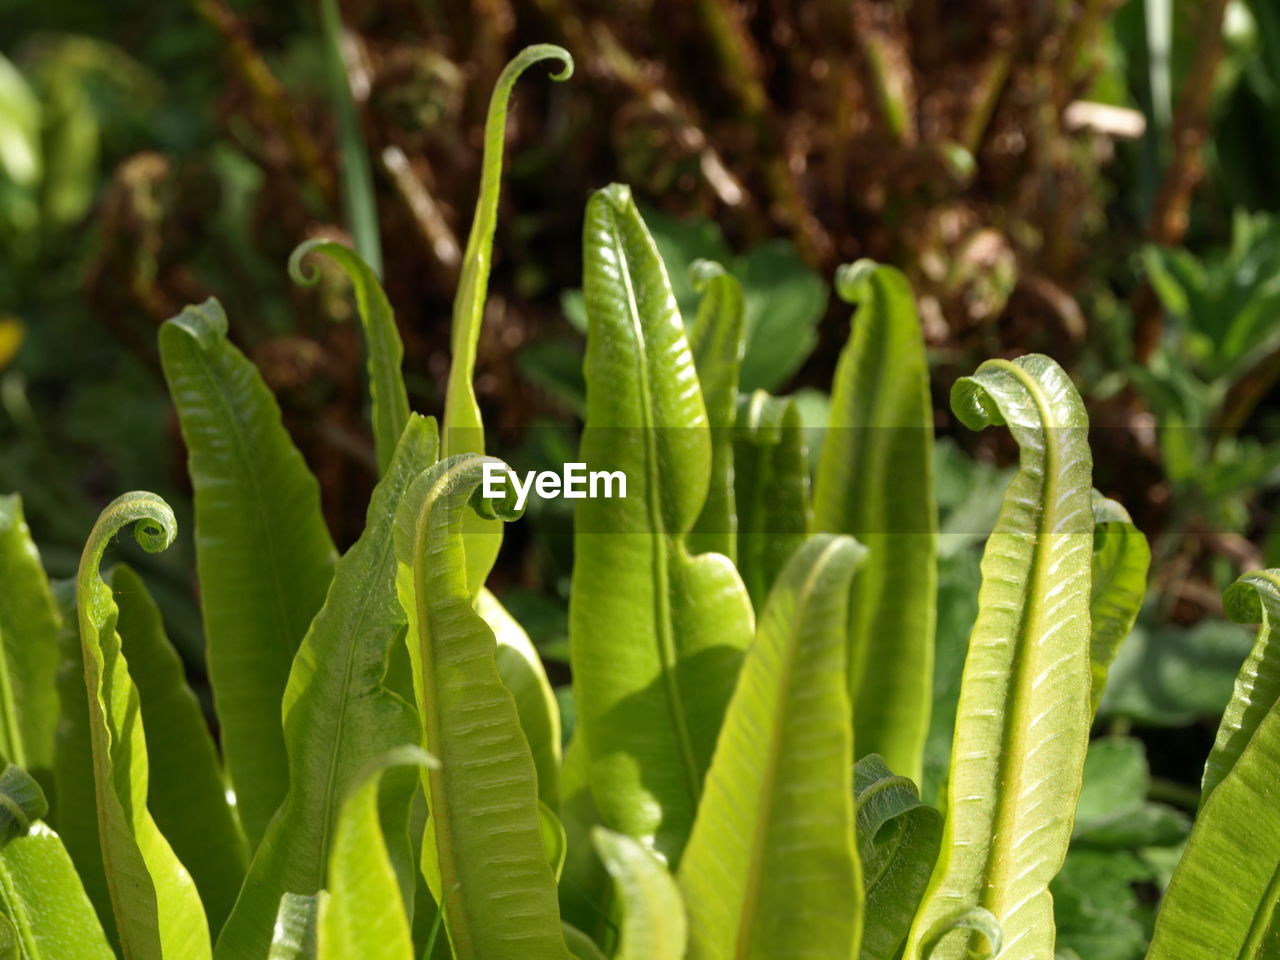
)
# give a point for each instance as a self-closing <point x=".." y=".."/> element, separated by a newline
<point x="653" y="921"/>
<point x="383" y="347"/>
<point x="49" y="916"/>
<point x="485" y="846"/>
<point x="1254" y="598"/>
<point x="364" y="918"/>
<point x="771" y="869"/>
<point x="1221" y="901"/>
<point x="717" y="340"/>
<point x="585" y="889"/>
<point x="771" y="480"/>
<point x="294" y="935"/>
<point x="76" y="809"/>
<point x="875" y="481"/>
<point x="1121" y="558"/>
<point x="28" y="647"/>
<point x="157" y="909"/>
<point x="522" y="672"/>
<point x="187" y="793"/>
<point x="1022" y="725"/>
<point x="262" y="551"/>
<point x="656" y="635"/>
<point x="337" y="712"/>
<point x="463" y="429"/>
<point x="898" y="839"/>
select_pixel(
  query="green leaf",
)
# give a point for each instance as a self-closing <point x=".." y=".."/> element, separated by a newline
<point x="653" y="921"/>
<point x="585" y="889"/>
<point x="1113" y="812"/>
<point x="294" y="933"/>
<point x="1121" y="558"/>
<point x="263" y="553"/>
<point x="497" y="888"/>
<point x="656" y="635"/>
<point x="29" y="624"/>
<point x="1221" y="900"/>
<point x="555" y="842"/>
<point x="771" y="481"/>
<point x="187" y="793"/>
<point x="21" y="802"/>
<point x="1022" y="724"/>
<point x="463" y="430"/>
<point x="580" y="945"/>
<point x="716" y="340"/>
<point x="50" y="917"/>
<point x="384" y="350"/>
<point x="875" y="482"/>
<point x="1254" y="598"/>
<point x="157" y="909"/>
<point x="771" y="869"/>
<point x="898" y="840"/>
<point x="785" y="301"/>
<point x="1098" y="914"/>
<point x="364" y="918"/>
<point x="337" y="710"/>
<point x="524" y="675"/>
<point x="76" y="807"/>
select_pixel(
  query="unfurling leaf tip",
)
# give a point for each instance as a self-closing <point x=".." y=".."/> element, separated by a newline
<point x="302" y="275"/>
<point x="702" y="272"/>
<point x="851" y="279"/>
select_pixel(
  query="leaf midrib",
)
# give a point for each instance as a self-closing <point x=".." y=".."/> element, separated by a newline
<point x="1011" y="765"/>
<point x="750" y="898"/>
<point x="663" y="539"/>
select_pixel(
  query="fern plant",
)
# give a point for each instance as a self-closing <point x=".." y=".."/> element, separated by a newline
<point x="388" y="779"/>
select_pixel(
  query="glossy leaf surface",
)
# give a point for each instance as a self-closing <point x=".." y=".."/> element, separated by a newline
<point x="771" y="869"/>
<point x="485" y="844"/>
<point x="656" y="635"/>
<point x="337" y="712"/>
<point x="875" y="482"/>
<point x="263" y="554"/>
<point x="1022" y="724"/>
<point x="157" y="909"/>
<point x="383" y="348"/>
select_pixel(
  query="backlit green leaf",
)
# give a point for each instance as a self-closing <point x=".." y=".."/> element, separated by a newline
<point x="653" y="921"/>
<point x="263" y="553"/>
<point x="337" y="712"/>
<point x="1119" y="582"/>
<point x="522" y="672"/>
<point x="463" y="430"/>
<point x="28" y="647"/>
<point x="656" y="634"/>
<point x="157" y="909"/>
<point x="771" y="869"/>
<point x="1022" y="725"/>
<point x="384" y="351"/>
<point x="485" y="846"/>
<point x="294" y="935"/>
<point x="771" y="481"/>
<point x="187" y="793"/>
<point x="716" y="340"/>
<point x="1254" y="598"/>
<point x="363" y="917"/>
<point x="875" y="482"/>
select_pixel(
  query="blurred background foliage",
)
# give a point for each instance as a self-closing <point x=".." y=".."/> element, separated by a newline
<point x="1093" y="179"/>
